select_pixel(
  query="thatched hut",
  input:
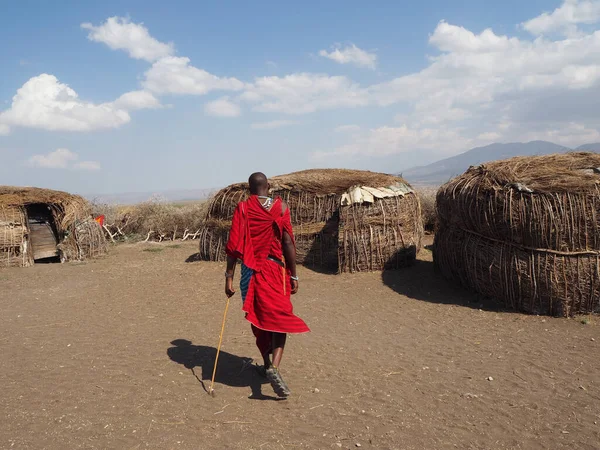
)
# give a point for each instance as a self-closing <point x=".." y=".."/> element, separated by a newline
<point x="525" y="231"/>
<point x="40" y="224"/>
<point x="344" y="220"/>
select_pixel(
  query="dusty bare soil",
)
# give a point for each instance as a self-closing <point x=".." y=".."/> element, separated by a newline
<point x="116" y="353"/>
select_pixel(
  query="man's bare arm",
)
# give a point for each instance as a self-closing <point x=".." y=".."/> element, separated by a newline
<point x="289" y="253"/>
<point x="230" y="271"/>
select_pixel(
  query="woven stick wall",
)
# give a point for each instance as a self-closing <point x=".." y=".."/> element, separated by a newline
<point x="313" y="197"/>
<point x="525" y="231"/>
<point x="382" y="235"/>
<point x="13" y="237"/>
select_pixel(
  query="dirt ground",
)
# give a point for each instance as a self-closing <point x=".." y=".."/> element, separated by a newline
<point x="115" y="354"/>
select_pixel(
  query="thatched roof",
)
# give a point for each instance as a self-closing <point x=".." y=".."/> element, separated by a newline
<point x="68" y="208"/>
<point x="324" y="181"/>
<point x="307" y="183"/>
<point x="548" y="202"/>
<point x="14" y="196"/>
<point x="568" y="172"/>
<point x="331" y="181"/>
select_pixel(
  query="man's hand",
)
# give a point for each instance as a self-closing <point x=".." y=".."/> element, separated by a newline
<point x="229" y="291"/>
<point x="294" y="286"/>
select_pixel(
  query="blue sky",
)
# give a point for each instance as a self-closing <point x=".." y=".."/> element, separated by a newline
<point x="106" y="97"/>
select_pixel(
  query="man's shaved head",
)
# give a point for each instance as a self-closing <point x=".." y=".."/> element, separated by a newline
<point x="259" y="185"/>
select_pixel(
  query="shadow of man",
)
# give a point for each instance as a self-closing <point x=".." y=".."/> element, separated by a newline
<point x="232" y="370"/>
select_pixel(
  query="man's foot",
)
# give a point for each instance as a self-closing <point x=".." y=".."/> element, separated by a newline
<point x="277" y="383"/>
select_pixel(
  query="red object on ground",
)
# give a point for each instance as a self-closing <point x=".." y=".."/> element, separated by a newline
<point x="256" y="234"/>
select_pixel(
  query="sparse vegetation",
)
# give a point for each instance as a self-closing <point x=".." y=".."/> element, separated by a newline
<point x="585" y="320"/>
<point x="427" y="198"/>
<point x="154" y="220"/>
<point x="153" y="249"/>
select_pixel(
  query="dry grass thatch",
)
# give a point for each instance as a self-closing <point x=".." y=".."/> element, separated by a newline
<point x="314" y="199"/>
<point x="79" y="236"/>
<point x="525" y="231"/>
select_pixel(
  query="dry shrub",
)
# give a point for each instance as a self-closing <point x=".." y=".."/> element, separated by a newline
<point x="427" y="198"/>
<point x="154" y="219"/>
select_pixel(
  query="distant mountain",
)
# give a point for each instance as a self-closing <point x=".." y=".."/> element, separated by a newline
<point x="130" y="198"/>
<point x="589" y="147"/>
<point x="442" y="171"/>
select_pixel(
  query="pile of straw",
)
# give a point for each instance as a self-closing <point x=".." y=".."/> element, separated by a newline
<point x="314" y="199"/>
<point x="525" y="231"/>
<point x="79" y="235"/>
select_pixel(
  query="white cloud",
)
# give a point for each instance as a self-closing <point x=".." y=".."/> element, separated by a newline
<point x="570" y="134"/>
<point x="120" y="34"/>
<point x="169" y="74"/>
<point x="45" y="103"/>
<point x="387" y="140"/>
<point x="62" y="158"/>
<point x="175" y="75"/>
<point x="487" y="86"/>
<point x="490" y="136"/>
<point x="58" y="159"/>
<point x="351" y="55"/>
<point x="135" y="100"/>
<point x="478" y="87"/>
<point x="565" y="18"/>
<point x="346" y="129"/>
<point x="304" y="93"/>
<point x="87" y="165"/>
<point x="272" y="124"/>
<point x="222" y="107"/>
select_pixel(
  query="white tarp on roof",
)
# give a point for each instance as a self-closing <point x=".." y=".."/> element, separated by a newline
<point x="366" y="194"/>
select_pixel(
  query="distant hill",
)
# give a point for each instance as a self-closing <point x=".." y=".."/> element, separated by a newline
<point x="589" y="147"/>
<point x="442" y="171"/>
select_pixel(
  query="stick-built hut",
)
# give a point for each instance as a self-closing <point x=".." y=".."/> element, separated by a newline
<point x="525" y="231"/>
<point x="344" y="220"/>
<point x="43" y="225"/>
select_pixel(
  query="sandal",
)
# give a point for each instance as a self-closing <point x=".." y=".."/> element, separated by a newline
<point x="277" y="383"/>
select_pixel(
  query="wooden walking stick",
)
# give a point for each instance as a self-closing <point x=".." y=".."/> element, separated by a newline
<point x="211" y="391"/>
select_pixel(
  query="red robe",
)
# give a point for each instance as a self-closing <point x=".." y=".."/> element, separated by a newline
<point x="255" y="234"/>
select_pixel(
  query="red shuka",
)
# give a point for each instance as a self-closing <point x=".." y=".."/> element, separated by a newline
<point x="255" y="234"/>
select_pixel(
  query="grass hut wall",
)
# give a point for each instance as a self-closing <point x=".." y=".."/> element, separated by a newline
<point x="525" y="231"/>
<point x="40" y="224"/>
<point x="327" y="233"/>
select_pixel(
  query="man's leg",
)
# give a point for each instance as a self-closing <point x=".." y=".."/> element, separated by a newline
<point x="278" y="346"/>
<point x="273" y="374"/>
<point x="263" y="342"/>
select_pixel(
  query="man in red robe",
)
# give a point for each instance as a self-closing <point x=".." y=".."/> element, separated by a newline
<point x="261" y="237"/>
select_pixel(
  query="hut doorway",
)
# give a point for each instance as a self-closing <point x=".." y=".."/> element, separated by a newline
<point x="43" y="233"/>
